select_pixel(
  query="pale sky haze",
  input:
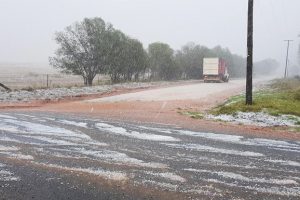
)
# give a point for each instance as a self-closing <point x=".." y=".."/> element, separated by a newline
<point x="28" y="26"/>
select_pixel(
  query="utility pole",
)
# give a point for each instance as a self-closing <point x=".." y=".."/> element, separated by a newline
<point x="249" y="54"/>
<point x="299" y="52"/>
<point x="287" y="57"/>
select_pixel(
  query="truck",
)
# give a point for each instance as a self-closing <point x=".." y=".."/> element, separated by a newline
<point x="215" y="70"/>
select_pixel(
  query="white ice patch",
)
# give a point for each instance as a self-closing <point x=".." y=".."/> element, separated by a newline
<point x="281" y="145"/>
<point x="49" y="118"/>
<point x="282" y="191"/>
<point x="275" y="144"/>
<point x="10" y="148"/>
<point x="36" y="134"/>
<point x="161" y="130"/>
<point x="169" y="176"/>
<point x="40" y="129"/>
<point x="285" y="162"/>
<point x="235" y="176"/>
<point x="8" y="139"/>
<point x="134" y="134"/>
<point x="54" y="141"/>
<point x="24" y="115"/>
<point x="6" y="175"/>
<point x="160" y="185"/>
<point x="8" y="128"/>
<point x="116" y="176"/>
<point x="204" y="148"/>
<point x="117" y="157"/>
<point x="257" y="119"/>
<point x="18" y="156"/>
<point x="212" y="136"/>
<point x="7" y="116"/>
<point x="73" y="123"/>
<point x="100" y="144"/>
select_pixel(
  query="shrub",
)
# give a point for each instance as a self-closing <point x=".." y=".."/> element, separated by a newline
<point x="297" y="95"/>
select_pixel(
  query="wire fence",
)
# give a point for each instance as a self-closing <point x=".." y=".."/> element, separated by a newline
<point x="36" y="81"/>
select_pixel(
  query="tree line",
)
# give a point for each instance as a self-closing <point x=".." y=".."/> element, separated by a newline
<point x="299" y="54"/>
<point x="92" y="47"/>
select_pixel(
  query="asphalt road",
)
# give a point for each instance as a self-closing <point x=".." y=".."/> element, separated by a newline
<point x="52" y="156"/>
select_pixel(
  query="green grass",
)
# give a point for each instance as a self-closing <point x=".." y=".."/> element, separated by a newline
<point x="281" y="97"/>
<point x="194" y="115"/>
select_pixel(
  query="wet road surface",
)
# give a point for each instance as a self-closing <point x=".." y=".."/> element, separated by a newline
<point x="52" y="156"/>
<point x="182" y="92"/>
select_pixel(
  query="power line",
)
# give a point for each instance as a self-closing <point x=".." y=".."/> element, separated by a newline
<point x="287" y="57"/>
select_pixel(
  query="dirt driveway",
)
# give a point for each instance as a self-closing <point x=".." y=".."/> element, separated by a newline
<point x="196" y="91"/>
<point x="163" y="106"/>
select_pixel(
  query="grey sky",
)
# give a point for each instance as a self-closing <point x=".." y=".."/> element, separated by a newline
<point x="28" y="26"/>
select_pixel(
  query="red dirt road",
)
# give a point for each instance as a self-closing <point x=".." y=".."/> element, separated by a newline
<point x="122" y="107"/>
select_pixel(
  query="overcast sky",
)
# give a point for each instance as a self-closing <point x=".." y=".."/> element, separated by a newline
<point x="28" y="26"/>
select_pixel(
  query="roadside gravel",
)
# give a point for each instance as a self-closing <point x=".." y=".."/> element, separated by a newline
<point x="61" y="93"/>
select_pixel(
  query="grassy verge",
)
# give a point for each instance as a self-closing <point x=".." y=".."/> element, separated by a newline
<point x="192" y="114"/>
<point x="280" y="97"/>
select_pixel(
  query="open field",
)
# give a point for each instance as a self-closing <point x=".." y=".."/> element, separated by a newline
<point x="34" y="76"/>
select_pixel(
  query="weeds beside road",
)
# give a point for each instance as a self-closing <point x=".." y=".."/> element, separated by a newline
<point x="54" y="94"/>
<point x="276" y="104"/>
<point x="278" y="98"/>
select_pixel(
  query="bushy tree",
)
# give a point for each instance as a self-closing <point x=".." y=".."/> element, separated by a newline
<point x="94" y="47"/>
<point x="84" y="48"/>
<point x="190" y="59"/>
<point x="161" y="60"/>
<point x="299" y="54"/>
<point x="236" y="64"/>
<point x="128" y="60"/>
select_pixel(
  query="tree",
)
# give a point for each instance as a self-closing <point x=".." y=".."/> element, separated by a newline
<point x="299" y="54"/>
<point x="128" y="58"/>
<point x="84" y="48"/>
<point x="190" y="59"/>
<point x="234" y="62"/>
<point x="137" y="60"/>
<point x="161" y="60"/>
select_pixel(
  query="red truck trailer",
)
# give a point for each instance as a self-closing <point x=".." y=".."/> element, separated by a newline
<point x="215" y="70"/>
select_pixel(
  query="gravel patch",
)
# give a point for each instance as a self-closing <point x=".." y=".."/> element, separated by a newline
<point x="259" y="119"/>
<point x="61" y="93"/>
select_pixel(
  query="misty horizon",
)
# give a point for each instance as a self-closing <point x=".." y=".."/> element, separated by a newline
<point x="27" y="34"/>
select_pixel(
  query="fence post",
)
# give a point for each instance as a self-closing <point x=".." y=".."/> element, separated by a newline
<point x="47" y="80"/>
